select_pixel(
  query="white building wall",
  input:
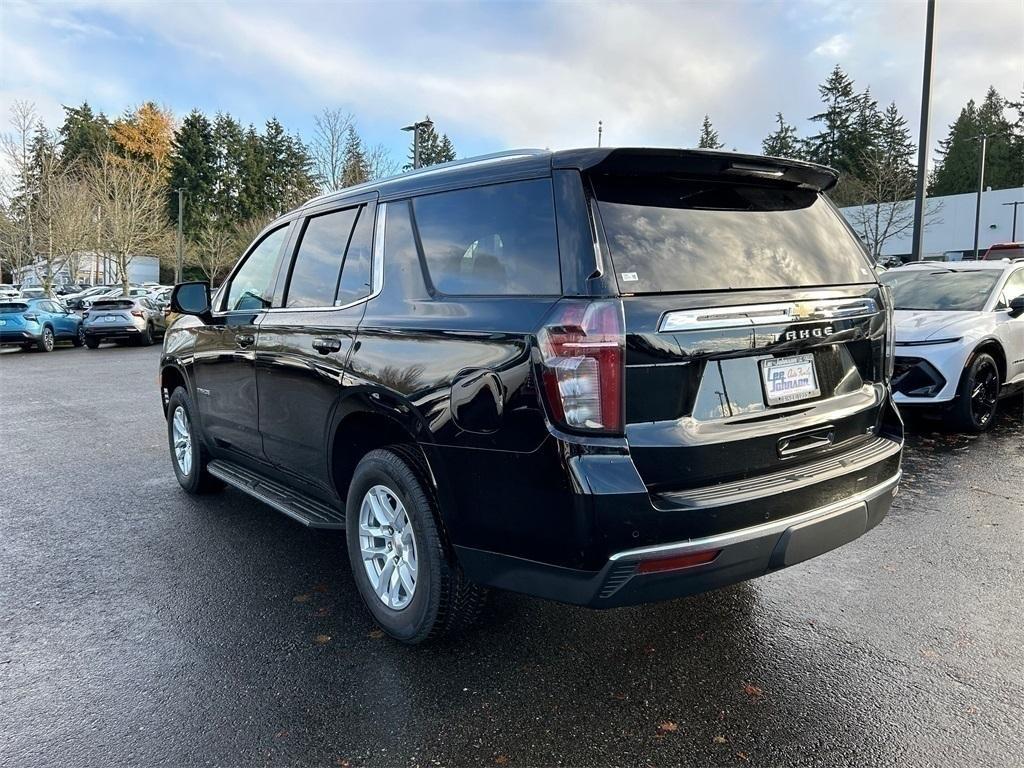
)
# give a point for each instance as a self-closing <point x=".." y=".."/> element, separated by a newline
<point x="952" y="229"/>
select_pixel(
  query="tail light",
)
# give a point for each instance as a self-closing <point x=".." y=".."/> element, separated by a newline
<point x="31" y="316"/>
<point x="581" y="349"/>
<point x="138" y="313"/>
<point x="890" y="332"/>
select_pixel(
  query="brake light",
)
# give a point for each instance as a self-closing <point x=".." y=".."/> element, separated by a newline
<point x="31" y="316"/>
<point x="890" y="332"/>
<point x="138" y="313"/>
<point x="582" y="348"/>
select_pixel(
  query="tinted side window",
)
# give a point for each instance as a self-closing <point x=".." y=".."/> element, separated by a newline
<point x="252" y="285"/>
<point x="494" y="240"/>
<point x="314" y="278"/>
<point x="355" y="275"/>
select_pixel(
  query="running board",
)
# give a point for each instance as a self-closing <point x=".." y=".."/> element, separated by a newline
<point x="295" y="504"/>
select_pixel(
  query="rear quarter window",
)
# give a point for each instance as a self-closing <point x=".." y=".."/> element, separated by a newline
<point x="491" y="241"/>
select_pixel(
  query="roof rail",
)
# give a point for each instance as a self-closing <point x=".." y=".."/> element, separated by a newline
<point x="466" y="161"/>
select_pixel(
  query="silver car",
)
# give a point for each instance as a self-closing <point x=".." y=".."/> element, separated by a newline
<point x="137" y="320"/>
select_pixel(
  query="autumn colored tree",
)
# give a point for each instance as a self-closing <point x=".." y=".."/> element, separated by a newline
<point x="145" y="134"/>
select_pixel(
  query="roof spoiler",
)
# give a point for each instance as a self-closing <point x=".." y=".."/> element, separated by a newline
<point x="694" y="162"/>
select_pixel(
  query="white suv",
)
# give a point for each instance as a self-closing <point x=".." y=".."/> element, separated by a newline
<point x="959" y="336"/>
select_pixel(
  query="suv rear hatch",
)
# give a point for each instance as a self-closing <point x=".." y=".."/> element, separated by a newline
<point x="755" y="329"/>
<point x="113" y="312"/>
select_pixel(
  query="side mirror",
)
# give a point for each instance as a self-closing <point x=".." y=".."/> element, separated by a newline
<point x="1017" y="307"/>
<point x="191" y="299"/>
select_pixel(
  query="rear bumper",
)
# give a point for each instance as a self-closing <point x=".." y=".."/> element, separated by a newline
<point x="114" y="332"/>
<point x="17" y="337"/>
<point x="738" y="555"/>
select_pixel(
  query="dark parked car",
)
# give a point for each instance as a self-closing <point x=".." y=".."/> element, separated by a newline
<point x="136" y="320"/>
<point x="600" y="376"/>
<point x="38" y="324"/>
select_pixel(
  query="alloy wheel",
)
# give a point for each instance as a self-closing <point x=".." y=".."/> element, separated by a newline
<point x="182" y="436"/>
<point x="48" y="339"/>
<point x="984" y="394"/>
<point x="388" y="546"/>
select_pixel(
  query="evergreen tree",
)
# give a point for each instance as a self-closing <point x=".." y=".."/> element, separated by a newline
<point x="193" y="167"/>
<point x="708" y="136"/>
<point x="896" y="143"/>
<point x="84" y="137"/>
<point x="863" y="135"/>
<point x="782" y="142"/>
<point x="229" y="165"/>
<point x="434" y="149"/>
<point x="956" y="171"/>
<point x="841" y="106"/>
<point x="355" y="166"/>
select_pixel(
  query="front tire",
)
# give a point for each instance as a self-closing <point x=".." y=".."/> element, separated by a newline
<point x="79" y="339"/>
<point x="46" y="341"/>
<point x="978" y="395"/>
<point x="401" y="569"/>
<point x="146" y="339"/>
<point x="188" y="456"/>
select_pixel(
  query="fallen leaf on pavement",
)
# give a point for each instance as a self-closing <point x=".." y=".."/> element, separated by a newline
<point x="720" y="739"/>
<point x="375" y="634"/>
<point x="668" y="727"/>
<point x="301" y="599"/>
<point x="752" y="690"/>
<point x="322" y="639"/>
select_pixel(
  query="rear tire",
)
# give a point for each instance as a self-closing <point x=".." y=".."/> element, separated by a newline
<point x="92" y="342"/>
<point x="188" y="455"/>
<point x="978" y="395"/>
<point x="146" y="339"/>
<point x="46" y="341"/>
<point x="442" y="602"/>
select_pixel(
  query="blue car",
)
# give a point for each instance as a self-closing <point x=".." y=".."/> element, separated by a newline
<point x="38" y="323"/>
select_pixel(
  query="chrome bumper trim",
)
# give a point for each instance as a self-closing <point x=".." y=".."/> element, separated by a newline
<point x="729" y="538"/>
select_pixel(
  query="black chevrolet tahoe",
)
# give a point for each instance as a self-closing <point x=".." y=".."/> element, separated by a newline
<point x="599" y="376"/>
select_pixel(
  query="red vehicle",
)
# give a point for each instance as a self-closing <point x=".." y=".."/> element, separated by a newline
<point x="1004" y="251"/>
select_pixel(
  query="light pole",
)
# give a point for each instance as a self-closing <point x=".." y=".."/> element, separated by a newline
<point x="180" y="262"/>
<point x="916" y="253"/>
<point x="415" y="128"/>
<point x="983" y="138"/>
<point x="1015" y="203"/>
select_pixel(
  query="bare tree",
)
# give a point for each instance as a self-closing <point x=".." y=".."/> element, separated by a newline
<point x="214" y="250"/>
<point x="65" y="220"/>
<point x="17" y="241"/>
<point x="328" y="147"/>
<point x="381" y="163"/>
<point x="883" y="196"/>
<point x="132" y="210"/>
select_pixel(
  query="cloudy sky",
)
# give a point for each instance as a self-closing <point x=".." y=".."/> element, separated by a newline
<point x="496" y="75"/>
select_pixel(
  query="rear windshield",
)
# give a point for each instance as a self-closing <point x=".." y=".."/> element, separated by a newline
<point x="672" y="235"/>
<point x="114" y="304"/>
<point x="944" y="290"/>
<point x="9" y="308"/>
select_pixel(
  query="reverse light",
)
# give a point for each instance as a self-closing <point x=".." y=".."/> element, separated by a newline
<point x="581" y="349"/>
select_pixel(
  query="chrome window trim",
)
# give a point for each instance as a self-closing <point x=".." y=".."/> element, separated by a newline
<point x="771" y="528"/>
<point x="376" y="272"/>
<point x="751" y="315"/>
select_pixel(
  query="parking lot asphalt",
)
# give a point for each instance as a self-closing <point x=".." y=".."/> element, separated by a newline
<point x="139" y="626"/>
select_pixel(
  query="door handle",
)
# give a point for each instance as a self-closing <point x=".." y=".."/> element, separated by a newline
<point x="326" y="345"/>
<point x="245" y="339"/>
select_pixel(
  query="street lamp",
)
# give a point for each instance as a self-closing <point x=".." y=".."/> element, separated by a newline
<point x="983" y="138"/>
<point x="1015" y="203"/>
<point x="415" y="128"/>
<point x="179" y="263"/>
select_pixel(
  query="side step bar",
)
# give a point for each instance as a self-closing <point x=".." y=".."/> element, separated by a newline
<point x="295" y="504"/>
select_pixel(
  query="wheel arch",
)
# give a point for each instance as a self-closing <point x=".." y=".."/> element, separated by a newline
<point x="362" y="430"/>
<point x="171" y="377"/>
<point x="992" y="347"/>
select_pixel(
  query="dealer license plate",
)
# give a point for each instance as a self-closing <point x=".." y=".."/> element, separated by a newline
<point x="110" y="319"/>
<point x="788" y="379"/>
